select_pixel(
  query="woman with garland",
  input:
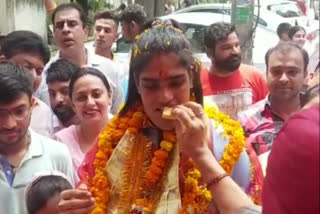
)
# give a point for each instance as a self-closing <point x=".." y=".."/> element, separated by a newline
<point x="149" y="157"/>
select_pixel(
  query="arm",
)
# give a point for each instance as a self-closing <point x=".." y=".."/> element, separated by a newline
<point x="191" y="132"/>
<point x="229" y="197"/>
<point x="80" y="200"/>
<point x="50" y="6"/>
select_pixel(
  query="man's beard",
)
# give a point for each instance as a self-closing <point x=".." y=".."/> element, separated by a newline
<point x="230" y="64"/>
<point x="64" y="112"/>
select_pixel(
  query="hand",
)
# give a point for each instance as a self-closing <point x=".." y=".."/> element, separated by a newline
<point x="76" y="201"/>
<point x="191" y="129"/>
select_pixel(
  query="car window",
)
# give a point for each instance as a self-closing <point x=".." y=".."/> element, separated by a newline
<point x="260" y="21"/>
<point x="212" y="10"/>
<point x="195" y="33"/>
<point x="286" y="10"/>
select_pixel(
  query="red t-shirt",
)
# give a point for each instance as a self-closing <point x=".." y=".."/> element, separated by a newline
<point x="236" y="92"/>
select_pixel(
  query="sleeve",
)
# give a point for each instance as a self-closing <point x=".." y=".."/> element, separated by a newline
<point x="64" y="163"/>
<point x="113" y="74"/>
<point x="117" y="97"/>
<point x="86" y="171"/>
<point x="261" y="90"/>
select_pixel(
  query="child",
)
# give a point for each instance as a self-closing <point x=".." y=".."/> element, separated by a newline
<point x="43" y="193"/>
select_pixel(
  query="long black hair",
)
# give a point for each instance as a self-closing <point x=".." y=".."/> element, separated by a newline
<point x="152" y="42"/>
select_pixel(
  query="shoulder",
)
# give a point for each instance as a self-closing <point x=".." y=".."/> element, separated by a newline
<point x="250" y="72"/>
<point x="42" y="106"/>
<point x="297" y="124"/>
<point x="49" y="146"/>
<point x="66" y="134"/>
<point x="97" y="60"/>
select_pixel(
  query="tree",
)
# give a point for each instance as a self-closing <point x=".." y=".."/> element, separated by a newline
<point x="242" y="18"/>
<point x="153" y="8"/>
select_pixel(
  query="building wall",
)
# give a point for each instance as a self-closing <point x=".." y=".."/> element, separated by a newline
<point x="24" y="15"/>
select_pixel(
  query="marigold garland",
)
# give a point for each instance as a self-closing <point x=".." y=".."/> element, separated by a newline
<point x="195" y="196"/>
<point x="234" y="131"/>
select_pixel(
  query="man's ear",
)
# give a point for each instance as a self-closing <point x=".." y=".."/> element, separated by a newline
<point x="116" y="37"/>
<point x="33" y="102"/>
<point x="209" y="52"/>
<point x="135" y="27"/>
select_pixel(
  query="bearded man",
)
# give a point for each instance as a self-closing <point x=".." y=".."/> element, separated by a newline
<point x="231" y="85"/>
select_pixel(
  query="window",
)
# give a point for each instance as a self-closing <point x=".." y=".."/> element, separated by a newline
<point x="212" y="10"/>
<point x="195" y="33"/>
<point x="286" y="10"/>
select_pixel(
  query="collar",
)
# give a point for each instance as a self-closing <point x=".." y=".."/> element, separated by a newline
<point x="266" y="104"/>
<point x="56" y="123"/>
<point x="267" y="108"/>
<point x="35" y="147"/>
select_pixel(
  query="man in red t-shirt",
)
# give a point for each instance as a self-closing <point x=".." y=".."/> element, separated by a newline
<point x="230" y="85"/>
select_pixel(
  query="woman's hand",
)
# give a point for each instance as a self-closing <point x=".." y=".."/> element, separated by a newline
<point x="191" y="129"/>
<point x="76" y="201"/>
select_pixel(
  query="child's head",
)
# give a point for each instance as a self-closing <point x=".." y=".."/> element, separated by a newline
<point x="43" y="193"/>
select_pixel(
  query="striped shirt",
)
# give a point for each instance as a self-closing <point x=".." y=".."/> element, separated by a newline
<point x="261" y="125"/>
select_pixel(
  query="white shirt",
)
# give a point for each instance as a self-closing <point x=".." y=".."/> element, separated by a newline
<point x="43" y="154"/>
<point x="106" y="66"/>
<point x="40" y="118"/>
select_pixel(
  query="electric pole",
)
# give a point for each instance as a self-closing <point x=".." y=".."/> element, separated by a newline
<point x="242" y="17"/>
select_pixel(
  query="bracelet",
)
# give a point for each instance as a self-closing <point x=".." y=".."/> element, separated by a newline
<point x="217" y="179"/>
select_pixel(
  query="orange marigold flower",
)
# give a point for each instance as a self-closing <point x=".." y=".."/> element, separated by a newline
<point x="138" y="115"/>
<point x="155" y="170"/>
<point x="151" y="178"/>
<point x="117" y="135"/>
<point x="135" y="123"/>
<point x="169" y="136"/>
<point x="123" y="126"/>
<point x="158" y="162"/>
<point x="124" y="119"/>
<point x="133" y="131"/>
<point x="160" y="154"/>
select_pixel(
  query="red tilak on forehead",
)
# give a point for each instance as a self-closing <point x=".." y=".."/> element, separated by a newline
<point x="163" y="75"/>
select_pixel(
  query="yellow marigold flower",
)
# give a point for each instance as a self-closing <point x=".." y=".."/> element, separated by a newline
<point x="207" y="194"/>
<point x="137" y="37"/>
<point x="166" y="145"/>
<point x="195" y="174"/>
<point x="138" y="114"/>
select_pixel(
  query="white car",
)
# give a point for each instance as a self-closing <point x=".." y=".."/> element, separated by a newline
<point x="195" y="23"/>
<point x="272" y="13"/>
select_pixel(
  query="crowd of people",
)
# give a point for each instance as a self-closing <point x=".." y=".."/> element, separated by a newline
<point x="81" y="132"/>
